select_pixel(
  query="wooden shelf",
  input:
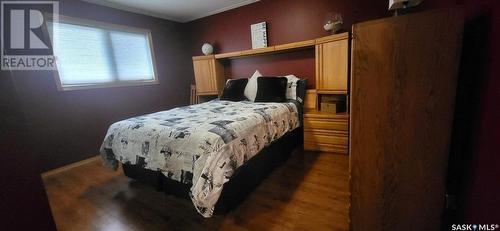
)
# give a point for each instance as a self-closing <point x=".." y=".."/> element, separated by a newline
<point x="332" y="92"/>
<point x="283" y="47"/>
<point x="258" y="51"/>
<point x="202" y="57"/>
<point x="295" y="45"/>
<point x="228" y="55"/>
<point x="267" y="50"/>
<point x="207" y="93"/>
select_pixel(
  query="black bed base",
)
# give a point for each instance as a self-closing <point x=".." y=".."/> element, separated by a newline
<point x="245" y="179"/>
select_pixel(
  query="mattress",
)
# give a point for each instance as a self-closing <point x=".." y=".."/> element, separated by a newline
<point x="200" y="145"/>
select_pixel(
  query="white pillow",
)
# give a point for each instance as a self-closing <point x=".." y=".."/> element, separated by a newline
<point x="291" y="87"/>
<point x="251" y="88"/>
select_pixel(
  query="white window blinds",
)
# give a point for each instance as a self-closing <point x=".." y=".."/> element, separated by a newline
<point x="100" y="55"/>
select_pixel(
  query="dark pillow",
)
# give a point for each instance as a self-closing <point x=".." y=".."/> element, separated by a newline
<point x="271" y="89"/>
<point x="301" y="90"/>
<point x="234" y="90"/>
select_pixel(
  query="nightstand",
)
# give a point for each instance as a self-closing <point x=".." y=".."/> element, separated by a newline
<point x="328" y="132"/>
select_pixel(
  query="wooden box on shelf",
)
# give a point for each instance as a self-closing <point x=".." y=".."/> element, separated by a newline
<point x="333" y="103"/>
<point x="330" y="107"/>
<point x="208" y="74"/>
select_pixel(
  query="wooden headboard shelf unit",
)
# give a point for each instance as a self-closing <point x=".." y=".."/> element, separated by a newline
<point x="331" y="65"/>
<point x="324" y="129"/>
<point x="306" y="44"/>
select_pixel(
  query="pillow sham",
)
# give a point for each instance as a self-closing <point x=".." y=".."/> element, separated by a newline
<point x="251" y="87"/>
<point x="291" y="88"/>
<point x="234" y="90"/>
<point x="271" y="89"/>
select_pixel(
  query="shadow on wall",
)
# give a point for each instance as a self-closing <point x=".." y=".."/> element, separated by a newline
<point x="23" y="202"/>
<point x="473" y="74"/>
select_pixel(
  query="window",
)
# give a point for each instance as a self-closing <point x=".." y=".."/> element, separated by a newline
<point x="91" y="54"/>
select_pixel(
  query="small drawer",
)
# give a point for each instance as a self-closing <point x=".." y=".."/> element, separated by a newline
<point x="326" y="124"/>
<point x="325" y="138"/>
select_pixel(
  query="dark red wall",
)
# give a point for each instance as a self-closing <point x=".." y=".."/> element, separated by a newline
<point x="68" y="126"/>
<point x="287" y="21"/>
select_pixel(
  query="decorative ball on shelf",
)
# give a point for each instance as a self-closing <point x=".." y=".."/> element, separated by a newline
<point x="207" y="49"/>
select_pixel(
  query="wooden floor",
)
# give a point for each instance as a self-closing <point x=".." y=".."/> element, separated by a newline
<point x="309" y="192"/>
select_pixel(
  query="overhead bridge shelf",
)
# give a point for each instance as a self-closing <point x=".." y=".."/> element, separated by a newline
<point x="267" y="50"/>
<point x="281" y="48"/>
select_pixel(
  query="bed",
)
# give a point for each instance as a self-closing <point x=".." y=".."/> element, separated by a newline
<point x="215" y="153"/>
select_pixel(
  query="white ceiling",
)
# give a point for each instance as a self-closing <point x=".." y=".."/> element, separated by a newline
<point x="175" y="10"/>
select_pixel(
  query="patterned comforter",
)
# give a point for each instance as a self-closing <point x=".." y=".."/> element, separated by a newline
<point x="200" y="145"/>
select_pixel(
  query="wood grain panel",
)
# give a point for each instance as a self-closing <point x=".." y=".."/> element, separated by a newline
<point x="326" y="131"/>
<point x="326" y="124"/>
<point x="295" y="45"/>
<point x="332" y="66"/>
<point x="324" y="147"/>
<point x="326" y="137"/>
<point x="404" y="72"/>
<point x="220" y="79"/>
<point x="209" y="75"/>
<point x="257" y="51"/>
<point x="203" y="72"/>
<point x="310" y="101"/>
<point x="228" y="55"/>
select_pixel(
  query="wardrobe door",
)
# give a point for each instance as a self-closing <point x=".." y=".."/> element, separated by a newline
<point x="404" y="72"/>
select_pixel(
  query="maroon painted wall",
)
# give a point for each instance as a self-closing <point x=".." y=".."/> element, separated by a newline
<point x="68" y="126"/>
<point x="287" y="21"/>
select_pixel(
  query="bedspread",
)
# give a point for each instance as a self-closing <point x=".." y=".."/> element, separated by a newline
<point x="200" y="145"/>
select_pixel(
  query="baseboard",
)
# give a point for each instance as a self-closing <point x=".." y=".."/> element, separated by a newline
<point x="69" y="166"/>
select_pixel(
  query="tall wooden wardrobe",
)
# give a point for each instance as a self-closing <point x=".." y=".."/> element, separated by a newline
<point x="403" y="80"/>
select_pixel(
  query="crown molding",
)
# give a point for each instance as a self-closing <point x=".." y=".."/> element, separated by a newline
<point x="165" y="16"/>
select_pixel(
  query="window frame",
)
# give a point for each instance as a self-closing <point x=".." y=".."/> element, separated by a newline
<point x="116" y="82"/>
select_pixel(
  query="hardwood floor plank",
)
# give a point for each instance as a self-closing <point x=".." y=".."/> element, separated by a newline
<point x="309" y="192"/>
